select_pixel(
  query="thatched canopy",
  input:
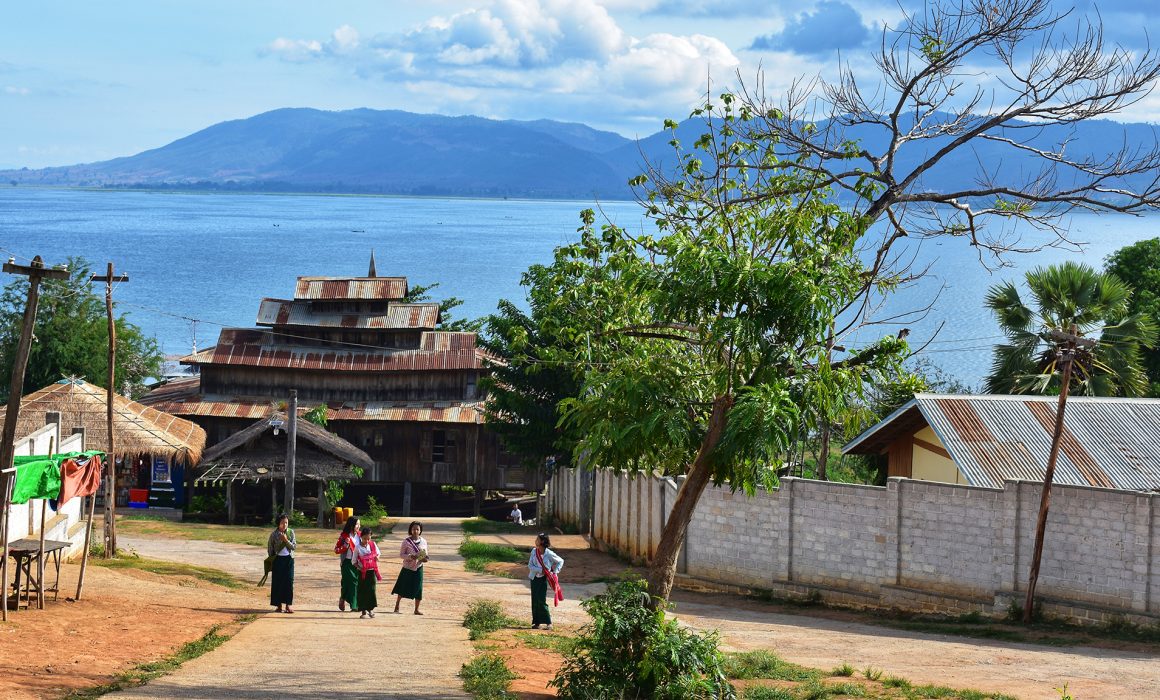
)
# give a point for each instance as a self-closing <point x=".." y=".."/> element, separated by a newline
<point x="257" y="453"/>
<point x="139" y="429"/>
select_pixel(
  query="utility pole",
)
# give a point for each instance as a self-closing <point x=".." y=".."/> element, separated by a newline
<point x="1070" y="341"/>
<point x="35" y="273"/>
<point x="291" y="450"/>
<point x="111" y="465"/>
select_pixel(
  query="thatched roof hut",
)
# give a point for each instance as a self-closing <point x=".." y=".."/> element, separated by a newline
<point x="259" y="452"/>
<point x="139" y="430"/>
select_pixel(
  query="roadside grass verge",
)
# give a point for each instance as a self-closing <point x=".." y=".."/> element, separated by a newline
<point x="486" y="616"/>
<point x="477" y="555"/>
<point x="481" y="526"/>
<point x="310" y="539"/>
<point x="143" y="673"/>
<point x="168" y="568"/>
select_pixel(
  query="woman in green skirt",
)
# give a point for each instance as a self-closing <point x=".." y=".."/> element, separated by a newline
<point x="368" y="566"/>
<point x="543" y="569"/>
<point x="413" y="551"/>
<point x="347" y="548"/>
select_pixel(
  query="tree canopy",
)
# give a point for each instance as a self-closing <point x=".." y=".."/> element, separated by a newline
<point x="1097" y="304"/>
<point x="71" y="338"/>
<point x="1139" y="263"/>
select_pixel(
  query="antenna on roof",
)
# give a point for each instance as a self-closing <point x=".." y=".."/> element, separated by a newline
<point x="371" y="272"/>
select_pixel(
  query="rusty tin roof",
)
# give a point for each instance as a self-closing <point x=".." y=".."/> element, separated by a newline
<point x="353" y="288"/>
<point x="284" y="312"/>
<point x="257" y="347"/>
<point x="182" y="397"/>
<point x="1107" y="442"/>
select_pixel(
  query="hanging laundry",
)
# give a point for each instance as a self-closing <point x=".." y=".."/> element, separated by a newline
<point x="80" y="476"/>
<point x="36" y="477"/>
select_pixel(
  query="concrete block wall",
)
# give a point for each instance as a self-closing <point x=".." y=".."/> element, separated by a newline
<point x="735" y="538"/>
<point x="842" y="535"/>
<point x="948" y="537"/>
<point x="915" y="545"/>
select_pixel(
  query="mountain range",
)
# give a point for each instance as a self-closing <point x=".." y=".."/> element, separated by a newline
<point x="365" y="151"/>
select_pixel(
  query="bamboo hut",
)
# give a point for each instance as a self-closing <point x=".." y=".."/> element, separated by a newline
<point x="150" y="443"/>
<point x="258" y="453"/>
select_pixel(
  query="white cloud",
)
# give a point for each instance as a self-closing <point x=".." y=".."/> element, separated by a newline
<point x="14" y="90"/>
<point x="568" y="57"/>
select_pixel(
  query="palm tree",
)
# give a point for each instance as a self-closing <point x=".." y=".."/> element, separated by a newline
<point x="1063" y="295"/>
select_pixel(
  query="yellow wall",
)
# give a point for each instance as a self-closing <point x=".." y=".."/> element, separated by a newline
<point x="931" y="466"/>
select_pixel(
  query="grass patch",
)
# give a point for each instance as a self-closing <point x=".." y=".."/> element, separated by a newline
<point x="765" y="692"/>
<point x="310" y="539"/>
<point x="143" y="673"/>
<point x="845" y="670"/>
<point x="766" y="665"/>
<point x="487" y="677"/>
<point x="558" y="643"/>
<point x="480" y="526"/>
<point x="484" y="617"/>
<point x="477" y="555"/>
<point x="167" y="568"/>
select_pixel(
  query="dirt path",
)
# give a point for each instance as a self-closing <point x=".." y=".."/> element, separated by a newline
<point x="318" y="651"/>
<point x="1029" y="672"/>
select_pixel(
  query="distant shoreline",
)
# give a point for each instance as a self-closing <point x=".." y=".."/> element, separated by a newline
<point x="302" y="193"/>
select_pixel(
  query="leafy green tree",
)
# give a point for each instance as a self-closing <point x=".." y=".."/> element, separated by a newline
<point x="1140" y="264"/>
<point x="71" y="338"/>
<point x="703" y="345"/>
<point x="706" y="345"/>
<point x="422" y="292"/>
<point x="524" y="390"/>
<point x="1061" y="296"/>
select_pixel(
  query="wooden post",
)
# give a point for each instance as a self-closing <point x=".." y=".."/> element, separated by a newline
<point x="323" y="506"/>
<point x="35" y="272"/>
<point x="291" y="450"/>
<point x="1067" y="357"/>
<point x="111" y="482"/>
<point x="40" y="556"/>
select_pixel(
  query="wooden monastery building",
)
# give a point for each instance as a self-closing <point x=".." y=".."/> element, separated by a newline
<point x="394" y="385"/>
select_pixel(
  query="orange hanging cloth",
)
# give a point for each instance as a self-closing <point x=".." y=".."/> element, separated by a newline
<point x="79" y="476"/>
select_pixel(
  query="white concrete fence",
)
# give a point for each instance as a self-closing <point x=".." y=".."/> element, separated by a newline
<point x="65" y="524"/>
<point x="911" y="545"/>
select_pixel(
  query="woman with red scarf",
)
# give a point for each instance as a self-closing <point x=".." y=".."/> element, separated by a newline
<point x="543" y="569"/>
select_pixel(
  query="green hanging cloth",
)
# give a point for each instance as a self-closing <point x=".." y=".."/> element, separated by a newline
<point x="36" y="477"/>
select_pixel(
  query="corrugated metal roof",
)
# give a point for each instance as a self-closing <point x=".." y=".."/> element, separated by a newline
<point x="1108" y="442"/>
<point x="354" y="288"/>
<point x="283" y="312"/>
<point x="256" y="347"/>
<point x="182" y="398"/>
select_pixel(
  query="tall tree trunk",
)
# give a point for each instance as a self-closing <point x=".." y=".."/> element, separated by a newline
<point x="824" y="452"/>
<point x="664" y="565"/>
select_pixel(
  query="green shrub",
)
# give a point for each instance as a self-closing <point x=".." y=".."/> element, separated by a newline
<point x="895" y="682"/>
<point x="484" y="617"/>
<point x="487" y="677"/>
<point x="375" y="511"/>
<point x="845" y="670"/>
<point x="871" y="673"/>
<point x="630" y="650"/>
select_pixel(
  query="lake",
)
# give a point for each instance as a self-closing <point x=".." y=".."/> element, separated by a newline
<point x="198" y="262"/>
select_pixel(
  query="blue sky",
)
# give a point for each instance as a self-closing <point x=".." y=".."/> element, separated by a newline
<point x="85" y="81"/>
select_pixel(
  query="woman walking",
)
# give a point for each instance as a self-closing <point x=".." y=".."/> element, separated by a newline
<point x="543" y="569"/>
<point x="347" y="547"/>
<point x="413" y="551"/>
<point x="368" y="566"/>
<point x="281" y="546"/>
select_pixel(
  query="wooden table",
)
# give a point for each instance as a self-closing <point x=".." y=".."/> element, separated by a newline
<point x="26" y="552"/>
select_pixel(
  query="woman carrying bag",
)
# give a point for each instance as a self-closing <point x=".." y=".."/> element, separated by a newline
<point x="543" y="569"/>
<point x="280" y="550"/>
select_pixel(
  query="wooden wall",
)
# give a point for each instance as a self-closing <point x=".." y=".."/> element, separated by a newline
<point x="471" y="455"/>
<point x="428" y="385"/>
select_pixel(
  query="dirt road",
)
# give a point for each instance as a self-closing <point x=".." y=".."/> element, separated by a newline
<point x="321" y="652"/>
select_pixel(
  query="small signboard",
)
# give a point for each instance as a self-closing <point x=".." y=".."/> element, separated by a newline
<point x="160" y="471"/>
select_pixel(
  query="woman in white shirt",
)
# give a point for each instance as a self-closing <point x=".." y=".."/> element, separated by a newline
<point x="543" y="567"/>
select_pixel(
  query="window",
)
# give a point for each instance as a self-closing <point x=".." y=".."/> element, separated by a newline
<point x="442" y="446"/>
